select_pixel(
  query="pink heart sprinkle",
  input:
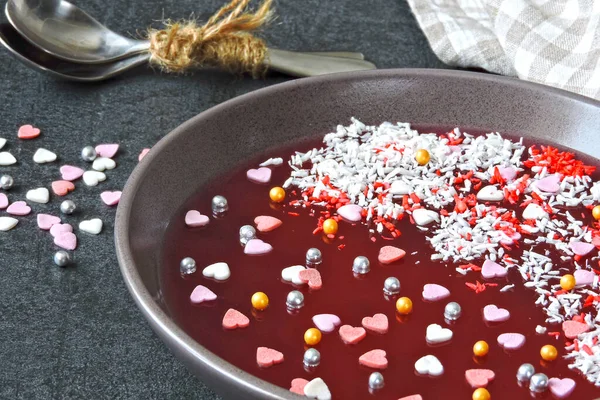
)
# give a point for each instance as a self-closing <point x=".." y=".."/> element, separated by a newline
<point x="312" y="277"/>
<point x="491" y="313"/>
<point x="508" y="173"/>
<point x="3" y="201"/>
<point x="257" y="247"/>
<point x="491" y="269"/>
<point x="561" y="388"/>
<point x="572" y="329"/>
<point x="143" y="154"/>
<point x="584" y="277"/>
<point x="70" y="173"/>
<point x="18" y="208"/>
<point x="107" y="150"/>
<point x="350" y="212"/>
<point x="261" y="175"/>
<point x="434" y="292"/>
<point x="479" y="378"/>
<point x="111" y="198"/>
<point x="581" y="248"/>
<point x="28" y="132"/>
<point x="549" y="184"/>
<point x="352" y="335"/>
<point x="59" y="228"/>
<point x="374" y="359"/>
<point x="265" y="223"/>
<point x="61" y="188"/>
<point x="234" y="319"/>
<point x="266" y="357"/>
<point x="298" y="386"/>
<point x="66" y="240"/>
<point x="390" y="254"/>
<point x="412" y="397"/>
<point x="378" y="323"/>
<point x="194" y="219"/>
<point x="511" y="341"/>
<point x="201" y="294"/>
<point x="46" y="221"/>
<point x="326" y="322"/>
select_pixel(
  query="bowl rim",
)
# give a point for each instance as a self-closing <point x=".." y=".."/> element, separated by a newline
<point x="159" y="320"/>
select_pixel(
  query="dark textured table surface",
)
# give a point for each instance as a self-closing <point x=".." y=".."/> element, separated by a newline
<point x="75" y="333"/>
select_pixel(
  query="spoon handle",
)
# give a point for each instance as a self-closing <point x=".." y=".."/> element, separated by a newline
<point x="311" y="64"/>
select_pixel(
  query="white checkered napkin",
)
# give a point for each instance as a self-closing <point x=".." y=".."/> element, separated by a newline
<point x="554" y="42"/>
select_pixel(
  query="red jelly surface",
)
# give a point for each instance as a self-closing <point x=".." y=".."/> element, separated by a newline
<point x="349" y="298"/>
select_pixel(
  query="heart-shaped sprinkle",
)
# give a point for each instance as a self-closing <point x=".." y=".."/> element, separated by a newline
<point x="511" y="341"/>
<point x="479" y="378"/>
<point x="3" y="201"/>
<point x="45" y="221"/>
<point x="584" y="277"/>
<point x="491" y="313"/>
<point x="234" y="319"/>
<point x="42" y="156"/>
<point x="317" y="389"/>
<point x="39" y="195"/>
<point x="508" y="173"/>
<point x="326" y="322"/>
<point x="7" y="223"/>
<point x="412" y="397"/>
<point x="490" y="193"/>
<point x="572" y="329"/>
<point x="491" y="269"/>
<point x="257" y="247"/>
<point x="143" y="154"/>
<point x="7" y="159"/>
<point x="265" y="223"/>
<point x="350" y="212"/>
<point x="265" y="357"/>
<point x="61" y="188"/>
<point x="429" y="365"/>
<point x="194" y="219"/>
<point x="111" y="198"/>
<point x="57" y="229"/>
<point x="70" y="173"/>
<point x="434" y="292"/>
<point x="219" y="271"/>
<point x="28" y="132"/>
<point x="561" y="388"/>
<point x="436" y="334"/>
<point x="352" y="335"/>
<point x="581" y="248"/>
<point x="312" y="277"/>
<point x="424" y="217"/>
<point x="400" y="188"/>
<point x="92" y="226"/>
<point x="292" y="274"/>
<point x="549" y="184"/>
<point x="298" y="385"/>
<point x="378" y="323"/>
<point x="390" y="254"/>
<point x="374" y="359"/>
<point x="2" y="142"/>
<point x="103" y="163"/>
<point x="18" y="208"/>
<point x="260" y="175"/>
<point x="107" y="150"/>
<point x="534" y="211"/>
<point x="92" y="178"/>
<point x="66" y="240"/>
<point x="201" y="294"/>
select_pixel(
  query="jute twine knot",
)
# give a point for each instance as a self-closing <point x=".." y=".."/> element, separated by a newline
<point x="226" y="41"/>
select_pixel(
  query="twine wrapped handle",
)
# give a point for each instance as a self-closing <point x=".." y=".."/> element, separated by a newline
<point x="226" y="41"/>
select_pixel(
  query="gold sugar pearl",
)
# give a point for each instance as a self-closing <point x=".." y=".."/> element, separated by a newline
<point x="567" y="282"/>
<point x="549" y="352"/>
<point x="277" y="194"/>
<point x="596" y="213"/>
<point x="422" y="156"/>
<point x="260" y="301"/>
<point x="481" y="348"/>
<point x="404" y="305"/>
<point x="481" y="394"/>
<point x="330" y="226"/>
<point x="312" y="336"/>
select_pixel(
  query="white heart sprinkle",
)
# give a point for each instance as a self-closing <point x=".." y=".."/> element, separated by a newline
<point x="7" y="159"/>
<point x="490" y="193"/>
<point x="103" y="163"/>
<point x="436" y="334"/>
<point x="93" y="226"/>
<point x="291" y="274"/>
<point x="219" y="271"/>
<point x="317" y="389"/>
<point x="42" y="156"/>
<point x="429" y="365"/>
<point x="424" y="217"/>
<point x="91" y="178"/>
<point x="39" y="195"/>
<point x="534" y="211"/>
<point x="2" y="142"/>
<point x="400" y="188"/>
<point x="7" y="223"/>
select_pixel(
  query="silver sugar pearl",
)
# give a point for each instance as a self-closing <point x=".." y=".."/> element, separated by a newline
<point x="361" y="265"/>
<point x="67" y="207"/>
<point x="88" y="153"/>
<point x="538" y="383"/>
<point x="312" y="357"/>
<point x="525" y="372"/>
<point x="187" y="266"/>
<point x="295" y="300"/>
<point x="247" y="232"/>
<point x="391" y="286"/>
<point x="62" y="258"/>
<point x="452" y="311"/>
<point x="219" y="205"/>
<point x="6" y="182"/>
<point x="376" y="381"/>
<point x="314" y="258"/>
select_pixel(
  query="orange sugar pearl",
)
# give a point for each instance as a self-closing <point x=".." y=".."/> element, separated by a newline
<point x="567" y="282"/>
<point x="481" y="394"/>
<point x="312" y="336"/>
<point x="481" y="348"/>
<point x="422" y="156"/>
<point x="596" y="213"/>
<point x="549" y="352"/>
<point x="404" y="305"/>
<point x="277" y="194"/>
<point x="330" y="226"/>
<point x="260" y="301"/>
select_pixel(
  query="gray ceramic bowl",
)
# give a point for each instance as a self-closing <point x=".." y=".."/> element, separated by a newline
<point x="216" y="139"/>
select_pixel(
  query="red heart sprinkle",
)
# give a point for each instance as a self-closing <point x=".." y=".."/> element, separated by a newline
<point x="28" y="132"/>
<point x="235" y="319"/>
<point x="266" y="357"/>
<point x="479" y="378"/>
<point x="389" y="254"/>
<point x="298" y="386"/>
<point x="378" y="323"/>
<point x="352" y="335"/>
<point x="572" y="329"/>
<point x="265" y="223"/>
<point x="374" y="359"/>
<point x="312" y="277"/>
<point x="61" y="188"/>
